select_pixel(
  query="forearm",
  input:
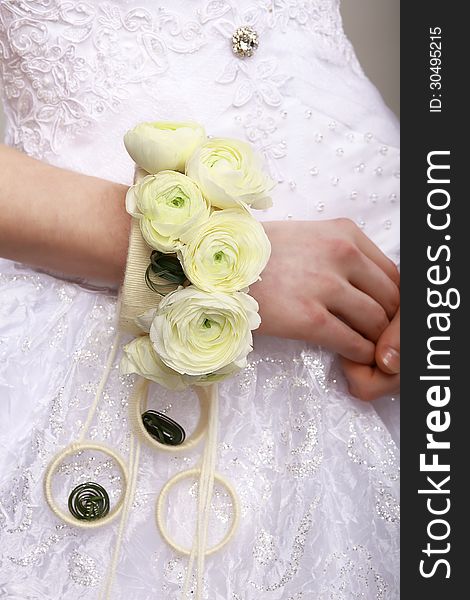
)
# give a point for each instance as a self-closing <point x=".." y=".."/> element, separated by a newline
<point x="60" y="220"/>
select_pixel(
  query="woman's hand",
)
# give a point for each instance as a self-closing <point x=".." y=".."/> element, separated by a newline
<point x="369" y="383"/>
<point x="327" y="283"/>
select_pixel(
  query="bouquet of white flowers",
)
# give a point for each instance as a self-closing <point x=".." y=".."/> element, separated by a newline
<point x="192" y="199"/>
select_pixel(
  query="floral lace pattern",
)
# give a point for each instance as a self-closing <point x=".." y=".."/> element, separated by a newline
<point x="65" y="65"/>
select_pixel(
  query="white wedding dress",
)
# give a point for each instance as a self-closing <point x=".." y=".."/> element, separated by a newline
<point x="316" y="470"/>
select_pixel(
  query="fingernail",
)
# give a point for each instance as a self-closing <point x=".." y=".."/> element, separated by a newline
<point x="391" y="359"/>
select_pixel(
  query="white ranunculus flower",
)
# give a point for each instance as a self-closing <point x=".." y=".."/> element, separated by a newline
<point x="167" y="205"/>
<point x="226" y="253"/>
<point x="215" y="377"/>
<point x="160" y="146"/>
<point x="140" y="357"/>
<point x="198" y="333"/>
<point x="229" y="173"/>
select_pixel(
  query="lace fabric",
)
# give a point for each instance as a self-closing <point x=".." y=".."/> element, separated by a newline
<point x="57" y="87"/>
<point x="315" y="469"/>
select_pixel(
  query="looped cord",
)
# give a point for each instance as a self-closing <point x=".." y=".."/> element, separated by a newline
<point x="134" y="457"/>
<point x="206" y="486"/>
<point x="129" y="479"/>
<point x="138" y="403"/>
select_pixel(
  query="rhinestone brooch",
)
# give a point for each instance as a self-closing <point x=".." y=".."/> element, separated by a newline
<point x="244" y="41"/>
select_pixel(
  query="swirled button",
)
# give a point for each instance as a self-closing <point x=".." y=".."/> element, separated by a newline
<point x="89" y="501"/>
<point x="244" y="41"/>
<point x="162" y="428"/>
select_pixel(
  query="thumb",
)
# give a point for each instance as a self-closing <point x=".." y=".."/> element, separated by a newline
<point x="387" y="352"/>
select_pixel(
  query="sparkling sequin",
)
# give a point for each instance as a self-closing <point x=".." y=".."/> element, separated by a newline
<point x="83" y="569"/>
<point x="377" y="452"/>
<point x="334" y="180"/>
<point x="263" y="454"/>
<point x="35" y="555"/>
<point x="351" y="574"/>
<point x="314" y="171"/>
<point x="316" y="367"/>
<point x="298" y="548"/>
<point x="368" y="137"/>
<point x="16" y="507"/>
<point x="353" y="195"/>
<point x="245" y="41"/>
<point x="263" y="549"/>
<point x="318" y="137"/>
<point x="378" y="171"/>
<point x="320" y="207"/>
<point x="339" y="151"/>
<point x="387" y="506"/>
<point x="56" y="416"/>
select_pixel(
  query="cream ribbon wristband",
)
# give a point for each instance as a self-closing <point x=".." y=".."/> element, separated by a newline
<point x="194" y="250"/>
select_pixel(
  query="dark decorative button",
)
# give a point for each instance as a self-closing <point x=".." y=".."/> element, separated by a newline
<point x="162" y="428"/>
<point x="89" y="501"/>
<point x="244" y="41"/>
<point x="167" y="271"/>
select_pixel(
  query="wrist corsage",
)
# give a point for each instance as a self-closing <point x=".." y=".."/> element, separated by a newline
<point x="194" y="250"/>
<point x="193" y="211"/>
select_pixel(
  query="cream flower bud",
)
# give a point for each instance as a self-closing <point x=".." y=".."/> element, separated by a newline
<point x="229" y="173"/>
<point x="140" y="357"/>
<point x="198" y="333"/>
<point x="226" y="253"/>
<point x="167" y="205"/>
<point x="160" y="146"/>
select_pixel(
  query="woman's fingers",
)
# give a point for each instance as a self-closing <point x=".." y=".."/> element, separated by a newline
<point x="332" y="333"/>
<point x="373" y="252"/>
<point x="369" y="383"/>
<point x="387" y="352"/>
<point x="373" y="281"/>
<point x="361" y="312"/>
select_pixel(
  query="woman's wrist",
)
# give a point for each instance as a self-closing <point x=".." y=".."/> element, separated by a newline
<point x="62" y="221"/>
